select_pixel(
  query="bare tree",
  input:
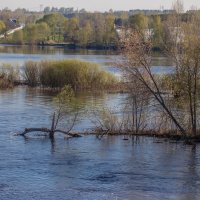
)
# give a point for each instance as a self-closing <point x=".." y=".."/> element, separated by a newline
<point x="137" y="105"/>
<point x="60" y="114"/>
<point x="181" y="41"/>
<point x="128" y="118"/>
<point x="137" y="57"/>
<point x="181" y="45"/>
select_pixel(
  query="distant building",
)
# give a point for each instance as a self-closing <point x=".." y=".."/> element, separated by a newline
<point x="12" y="24"/>
<point x="122" y="32"/>
<point x="150" y="12"/>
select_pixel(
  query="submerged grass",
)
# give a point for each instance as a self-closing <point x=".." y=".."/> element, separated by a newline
<point x="5" y="83"/>
<point x="79" y="74"/>
<point x="8" y="76"/>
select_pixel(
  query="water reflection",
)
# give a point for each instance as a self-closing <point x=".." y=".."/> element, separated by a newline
<point x="18" y="55"/>
<point x="192" y="178"/>
<point x="26" y="49"/>
<point x="110" y="168"/>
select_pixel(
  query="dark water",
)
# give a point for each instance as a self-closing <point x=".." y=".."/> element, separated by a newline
<point x="86" y="168"/>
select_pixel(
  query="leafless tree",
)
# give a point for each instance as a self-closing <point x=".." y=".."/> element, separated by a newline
<point x="60" y="114"/>
<point x="181" y="45"/>
<point x="136" y="61"/>
<point x="137" y="105"/>
<point x="181" y="41"/>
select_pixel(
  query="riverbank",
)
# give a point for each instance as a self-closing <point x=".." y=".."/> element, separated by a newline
<point x="174" y="136"/>
<point x="70" y="46"/>
<point x="66" y="45"/>
<point x="167" y="136"/>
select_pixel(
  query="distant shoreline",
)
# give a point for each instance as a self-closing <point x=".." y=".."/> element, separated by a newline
<point x="76" y="47"/>
<point x="66" y="45"/>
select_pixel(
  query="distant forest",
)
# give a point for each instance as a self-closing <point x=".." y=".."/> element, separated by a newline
<point x="79" y="28"/>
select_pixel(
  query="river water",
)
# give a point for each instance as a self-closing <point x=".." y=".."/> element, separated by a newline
<point x="85" y="168"/>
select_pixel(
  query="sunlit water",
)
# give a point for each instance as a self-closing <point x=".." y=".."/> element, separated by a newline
<point x="85" y="168"/>
<point x="17" y="56"/>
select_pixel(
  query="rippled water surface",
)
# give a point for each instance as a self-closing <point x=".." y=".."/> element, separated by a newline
<point x="85" y="168"/>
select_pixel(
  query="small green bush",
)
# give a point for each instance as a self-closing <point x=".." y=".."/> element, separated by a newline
<point x="77" y="74"/>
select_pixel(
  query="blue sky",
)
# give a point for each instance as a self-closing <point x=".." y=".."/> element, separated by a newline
<point x="96" y="5"/>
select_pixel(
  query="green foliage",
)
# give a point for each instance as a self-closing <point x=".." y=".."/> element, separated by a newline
<point x="56" y="22"/>
<point x="66" y="95"/>
<point x="77" y="74"/>
<point x="72" y="30"/>
<point x="34" y="33"/>
<point x="43" y="31"/>
<point x="157" y="30"/>
<point x="139" y="22"/>
<point x="18" y="37"/>
<point x="53" y="20"/>
<point x="85" y="34"/>
<point x="109" y="31"/>
<point x="84" y="29"/>
<point x="2" y="26"/>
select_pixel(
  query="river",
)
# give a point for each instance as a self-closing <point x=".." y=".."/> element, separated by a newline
<point x="85" y="168"/>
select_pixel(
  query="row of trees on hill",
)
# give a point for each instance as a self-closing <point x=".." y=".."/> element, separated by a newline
<point x="84" y="28"/>
<point x="79" y="28"/>
<point x="93" y="29"/>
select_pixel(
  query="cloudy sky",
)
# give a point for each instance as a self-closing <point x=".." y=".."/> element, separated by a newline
<point x="96" y="5"/>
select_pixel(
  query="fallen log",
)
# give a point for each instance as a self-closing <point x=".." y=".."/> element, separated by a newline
<point x="29" y="130"/>
<point x="49" y="131"/>
<point x="72" y="134"/>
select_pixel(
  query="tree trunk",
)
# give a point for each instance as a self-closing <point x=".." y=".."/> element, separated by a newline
<point x="51" y="134"/>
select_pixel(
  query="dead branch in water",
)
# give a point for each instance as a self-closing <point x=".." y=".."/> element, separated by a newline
<point x="62" y="99"/>
<point x="49" y="131"/>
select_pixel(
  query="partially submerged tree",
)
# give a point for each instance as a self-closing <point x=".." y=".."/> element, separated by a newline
<point x="128" y="118"/>
<point x="181" y="42"/>
<point x="183" y="47"/>
<point x="62" y="113"/>
<point x="137" y="105"/>
<point x="137" y="57"/>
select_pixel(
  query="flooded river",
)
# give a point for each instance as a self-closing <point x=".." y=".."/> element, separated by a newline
<point x="85" y="168"/>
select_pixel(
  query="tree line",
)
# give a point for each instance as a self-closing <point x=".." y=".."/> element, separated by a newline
<point x="83" y="29"/>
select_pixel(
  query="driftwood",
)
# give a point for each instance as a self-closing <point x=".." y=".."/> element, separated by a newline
<point x="49" y="131"/>
<point x="65" y="96"/>
<point x="53" y="130"/>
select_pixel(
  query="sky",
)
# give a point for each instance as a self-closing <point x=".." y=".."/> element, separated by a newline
<point x="96" y="5"/>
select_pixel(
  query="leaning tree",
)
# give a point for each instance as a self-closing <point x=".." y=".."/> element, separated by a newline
<point x="181" y="42"/>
